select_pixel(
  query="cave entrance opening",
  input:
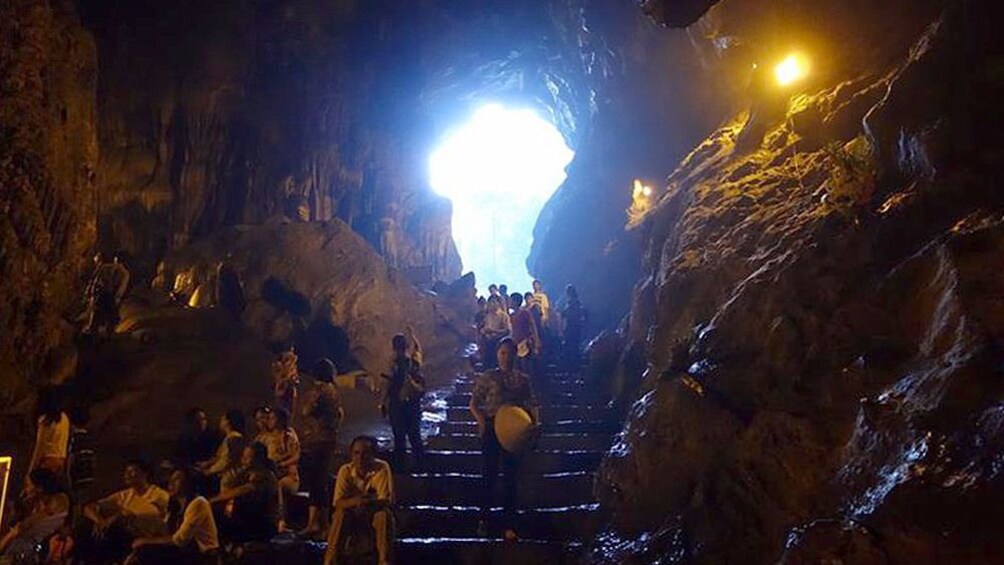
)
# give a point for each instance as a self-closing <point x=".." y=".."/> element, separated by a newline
<point x="499" y="168"/>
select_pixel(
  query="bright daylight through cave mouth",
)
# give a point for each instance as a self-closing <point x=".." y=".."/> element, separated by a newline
<point x="499" y="168"/>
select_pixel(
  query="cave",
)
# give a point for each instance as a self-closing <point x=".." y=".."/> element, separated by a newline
<point x="766" y="234"/>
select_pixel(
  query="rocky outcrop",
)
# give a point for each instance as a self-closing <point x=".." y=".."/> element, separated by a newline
<point x="320" y="287"/>
<point x="828" y="283"/>
<point x="48" y="157"/>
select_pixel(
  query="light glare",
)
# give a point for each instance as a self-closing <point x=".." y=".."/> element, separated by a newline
<point x="793" y="68"/>
<point x="498" y="169"/>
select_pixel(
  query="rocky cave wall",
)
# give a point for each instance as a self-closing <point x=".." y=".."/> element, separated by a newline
<point x="818" y="312"/>
<point x="48" y="158"/>
<point x="230" y="114"/>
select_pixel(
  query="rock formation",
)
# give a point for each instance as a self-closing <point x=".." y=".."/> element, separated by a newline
<point x="48" y="159"/>
<point x="320" y="287"/>
<point x="829" y="283"/>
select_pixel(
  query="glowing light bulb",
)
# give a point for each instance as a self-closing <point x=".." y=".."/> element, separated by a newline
<point x="792" y="69"/>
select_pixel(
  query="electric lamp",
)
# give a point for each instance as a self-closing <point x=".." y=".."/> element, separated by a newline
<point x="791" y="69"/>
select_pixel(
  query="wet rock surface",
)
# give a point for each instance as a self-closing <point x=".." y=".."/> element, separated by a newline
<point x="832" y="285"/>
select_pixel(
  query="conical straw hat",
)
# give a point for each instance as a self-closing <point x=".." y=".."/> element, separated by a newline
<point x="514" y="429"/>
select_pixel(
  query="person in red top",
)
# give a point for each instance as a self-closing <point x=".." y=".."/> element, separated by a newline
<point x="526" y="336"/>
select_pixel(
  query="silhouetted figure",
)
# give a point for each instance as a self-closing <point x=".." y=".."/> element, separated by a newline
<point x="326" y="412"/>
<point x="105" y="293"/>
<point x="402" y="401"/>
<point x="197" y="441"/>
<point x="574" y="317"/>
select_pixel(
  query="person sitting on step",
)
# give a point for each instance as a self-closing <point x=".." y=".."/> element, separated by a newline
<point x="364" y="499"/>
<point x="194" y="538"/>
<point x="502" y="386"/>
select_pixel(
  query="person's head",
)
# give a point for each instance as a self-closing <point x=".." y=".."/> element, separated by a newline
<point x="325" y="371"/>
<point x="363" y="450"/>
<point x="570" y="292"/>
<point x="137" y="474"/>
<point x="255" y="455"/>
<point x="261" y="417"/>
<point x="197" y="419"/>
<point x="482" y="302"/>
<point x="400" y="344"/>
<point x="41" y="481"/>
<point x="180" y="484"/>
<point x="515" y="301"/>
<point x="493" y="290"/>
<point x="503" y="290"/>
<point x="232" y="421"/>
<point x="278" y="420"/>
<point x="48" y="405"/>
<point x="528" y="298"/>
<point x="506" y="353"/>
<point x="537" y="286"/>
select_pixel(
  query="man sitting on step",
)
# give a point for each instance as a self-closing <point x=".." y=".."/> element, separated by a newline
<point x="493" y="389"/>
<point x="364" y="497"/>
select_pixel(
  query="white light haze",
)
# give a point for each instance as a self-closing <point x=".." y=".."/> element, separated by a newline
<point x="499" y="169"/>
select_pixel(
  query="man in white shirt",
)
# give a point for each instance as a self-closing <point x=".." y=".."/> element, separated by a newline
<point x="139" y="510"/>
<point x="364" y="497"/>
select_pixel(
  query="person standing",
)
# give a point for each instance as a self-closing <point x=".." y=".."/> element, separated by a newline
<point x="53" y="436"/>
<point x="525" y="336"/>
<point x="325" y="412"/>
<point x="502" y="386"/>
<point x="575" y="317"/>
<point x="497" y="325"/>
<point x="402" y="402"/>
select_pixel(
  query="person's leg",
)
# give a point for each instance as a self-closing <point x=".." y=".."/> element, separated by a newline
<point x="510" y="478"/>
<point x="492" y="452"/>
<point x="415" y="433"/>
<point x="334" y="537"/>
<point x="383" y="534"/>
<point x="399" y="428"/>
<point x="287" y="485"/>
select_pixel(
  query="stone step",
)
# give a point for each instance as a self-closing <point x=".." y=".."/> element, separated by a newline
<point x="548" y="441"/>
<point x="467" y="489"/>
<point x="571" y="523"/>
<point x="569" y="386"/>
<point x="535" y="463"/>
<point x="554" y="426"/>
<point x="485" y="551"/>
<point x="558" y="398"/>
<point x="547" y="413"/>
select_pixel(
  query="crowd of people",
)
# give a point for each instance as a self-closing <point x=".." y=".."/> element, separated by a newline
<point x="227" y="486"/>
<point x="538" y="329"/>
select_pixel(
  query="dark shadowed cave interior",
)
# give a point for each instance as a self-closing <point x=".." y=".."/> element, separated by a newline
<point x="792" y="349"/>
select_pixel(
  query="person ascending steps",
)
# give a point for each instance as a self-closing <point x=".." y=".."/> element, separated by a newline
<point x="509" y="389"/>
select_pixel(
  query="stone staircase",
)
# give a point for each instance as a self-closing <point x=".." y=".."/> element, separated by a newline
<point x="438" y="508"/>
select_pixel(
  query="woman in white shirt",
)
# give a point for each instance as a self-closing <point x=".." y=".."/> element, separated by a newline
<point x="195" y="540"/>
<point x="53" y="436"/>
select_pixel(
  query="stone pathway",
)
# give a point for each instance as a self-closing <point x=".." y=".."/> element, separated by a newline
<point x="439" y="507"/>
